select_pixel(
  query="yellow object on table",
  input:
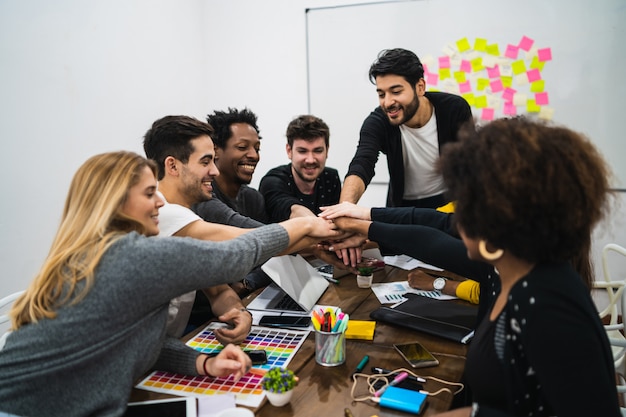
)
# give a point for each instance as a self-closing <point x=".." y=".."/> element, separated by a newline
<point x="360" y="329"/>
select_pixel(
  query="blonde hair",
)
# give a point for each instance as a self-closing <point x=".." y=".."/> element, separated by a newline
<point x="90" y="224"/>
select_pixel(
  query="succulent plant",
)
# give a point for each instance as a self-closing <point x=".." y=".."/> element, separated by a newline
<point x="278" y="380"/>
<point x="365" y="270"/>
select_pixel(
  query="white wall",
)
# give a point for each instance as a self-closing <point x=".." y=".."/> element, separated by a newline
<point x="79" y="78"/>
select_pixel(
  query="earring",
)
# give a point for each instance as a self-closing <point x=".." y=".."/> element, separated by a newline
<point x="490" y="256"/>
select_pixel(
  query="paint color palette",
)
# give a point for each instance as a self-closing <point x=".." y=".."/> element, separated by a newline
<point x="280" y="344"/>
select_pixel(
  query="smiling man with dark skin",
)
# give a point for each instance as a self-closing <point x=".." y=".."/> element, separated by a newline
<point x="237" y="146"/>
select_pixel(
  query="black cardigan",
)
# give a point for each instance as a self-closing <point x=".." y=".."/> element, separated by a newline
<point x="378" y="135"/>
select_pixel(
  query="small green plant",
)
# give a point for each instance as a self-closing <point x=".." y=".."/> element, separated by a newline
<point x="365" y="270"/>
<point x="278" y="380"/>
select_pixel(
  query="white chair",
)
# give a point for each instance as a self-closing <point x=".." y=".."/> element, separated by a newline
<point x="5" y="304"/>
<point x="616" y="326"/>
<point x="8" y="301"/>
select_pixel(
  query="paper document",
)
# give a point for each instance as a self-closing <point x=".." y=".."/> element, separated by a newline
<point x="408" y="263"/>
<point x="393" y="292"/>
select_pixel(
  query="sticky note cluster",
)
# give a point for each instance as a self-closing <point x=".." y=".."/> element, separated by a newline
<point x="496" y="80"/>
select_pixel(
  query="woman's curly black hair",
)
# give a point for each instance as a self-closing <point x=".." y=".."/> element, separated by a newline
<point x="529" y="188"/>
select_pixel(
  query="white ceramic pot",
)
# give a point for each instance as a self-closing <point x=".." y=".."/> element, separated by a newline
<point x="364" y="281"/>
<point x="279" y="399"/>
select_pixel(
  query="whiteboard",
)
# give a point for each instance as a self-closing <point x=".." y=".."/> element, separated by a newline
<point x="582" y="68"/>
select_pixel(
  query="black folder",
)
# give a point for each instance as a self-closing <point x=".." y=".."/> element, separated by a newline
<point x="447" y="319"/>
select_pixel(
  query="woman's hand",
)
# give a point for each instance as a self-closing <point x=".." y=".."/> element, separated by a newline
<point x="231" y="360"/>
<point x="346" y="209"/>
<point x="323" y="228"/>
<point x="420" y="280"/>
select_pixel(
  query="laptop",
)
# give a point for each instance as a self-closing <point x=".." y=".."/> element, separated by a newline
<point x="296" y="286"/>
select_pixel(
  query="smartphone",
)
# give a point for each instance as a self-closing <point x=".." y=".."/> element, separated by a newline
<point x="416" y="355"/>
<point x="258" y="357"/>
<point x="406" y="384"/>
<point x="171" y="407"/>
<point x="285" y="321"/>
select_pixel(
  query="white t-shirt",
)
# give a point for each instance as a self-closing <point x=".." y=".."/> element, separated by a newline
<point x="172" y="218"/>
<point x="420" y="150"/>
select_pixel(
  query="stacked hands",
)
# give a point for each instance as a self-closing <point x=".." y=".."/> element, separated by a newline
<point x="354" y="222"/>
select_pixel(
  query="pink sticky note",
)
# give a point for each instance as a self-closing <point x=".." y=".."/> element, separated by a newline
<point x="465" y="87"/>
<point x="425" y="68"/>
<point x="496" y="85"/>
<point x="533" y="75"/>
<point x="466" y="66"/>
<point x="541" y="99"/>
<point x="544" y="54"/>
<point x="444" y="62"/>
<point x="509" y="109"/>
<point x="487" y="114"/>
<point x="508" y="94"/>
<point x="526" y="43"/>
<point x="493" y="72"/>
<point x="511" y="51"/>
<point x="432" y="79"/>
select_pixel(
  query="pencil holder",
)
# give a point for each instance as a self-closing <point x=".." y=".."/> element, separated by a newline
<point x="330" y="348"/>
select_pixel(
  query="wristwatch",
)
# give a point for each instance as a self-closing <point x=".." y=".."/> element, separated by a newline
<point x="439" y="283"/>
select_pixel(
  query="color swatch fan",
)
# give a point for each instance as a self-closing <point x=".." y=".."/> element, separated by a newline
<point x="280" y="344"/>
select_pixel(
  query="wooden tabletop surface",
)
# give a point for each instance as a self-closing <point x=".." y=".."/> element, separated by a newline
<point x="327" y="391"/>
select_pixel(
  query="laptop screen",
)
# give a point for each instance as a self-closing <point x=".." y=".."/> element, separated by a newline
<point x="296" y="277"/>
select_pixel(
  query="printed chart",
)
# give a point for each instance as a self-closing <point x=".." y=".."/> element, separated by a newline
<point x="280" y="344"/>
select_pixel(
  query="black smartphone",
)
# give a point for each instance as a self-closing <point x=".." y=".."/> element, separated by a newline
<point x="285" y="321"/>
<point x="416" y="355"/>
<point x="258" y="357"/>
<point x="406" y="384"/>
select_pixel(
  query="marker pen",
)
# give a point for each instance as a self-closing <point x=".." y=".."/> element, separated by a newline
<point x="361" y="365"/>
<point x="401" y="377"/>
<point x="387" y="371"/>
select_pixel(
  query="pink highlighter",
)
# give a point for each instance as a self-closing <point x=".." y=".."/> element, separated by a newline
<point x="401" y="377"/>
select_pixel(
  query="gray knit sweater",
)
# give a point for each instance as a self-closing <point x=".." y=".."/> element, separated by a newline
<point x="85" y="361"/>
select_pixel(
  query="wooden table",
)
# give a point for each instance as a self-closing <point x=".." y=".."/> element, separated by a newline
<point x="326" y="392"/>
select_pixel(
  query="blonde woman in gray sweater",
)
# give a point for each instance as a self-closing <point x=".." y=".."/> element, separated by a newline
<point x="93" y="320"/>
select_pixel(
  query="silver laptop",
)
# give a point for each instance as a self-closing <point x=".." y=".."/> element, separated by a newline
<point x="296" y="286"/>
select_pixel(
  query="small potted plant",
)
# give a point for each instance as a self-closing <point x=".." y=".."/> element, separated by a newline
<point x="278" y="384"/>
<point x="364" y="278"/>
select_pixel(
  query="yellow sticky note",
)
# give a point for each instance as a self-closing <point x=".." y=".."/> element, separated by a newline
<point x="463" y="45"/>
<point x="360" y="329"/>
<point x="469" y="97"/>
<point x="518" y="67"/>
<point x="493" y="49"/>
<point x="480" y="44"/>
<point x="459" y="76"/>
<point x="444" y="73"/>
<point x="537" y="86"/>
<point x="532" y="107"/>
<point x="480" y="102"/>
<point x="482" y="83"/>
<point x="506" y="81"/>
<point x="537" y="64"/>
<point x="477" y="64"/>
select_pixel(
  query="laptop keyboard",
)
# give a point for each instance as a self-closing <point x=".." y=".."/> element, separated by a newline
<point x="287" y="303"/>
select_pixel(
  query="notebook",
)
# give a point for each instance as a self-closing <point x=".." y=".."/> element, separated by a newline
<point x="446" y="319"/>
<point x="296" y="286"/>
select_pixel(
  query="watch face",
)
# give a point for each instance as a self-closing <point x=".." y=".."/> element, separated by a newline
<point x="439" y="283"/>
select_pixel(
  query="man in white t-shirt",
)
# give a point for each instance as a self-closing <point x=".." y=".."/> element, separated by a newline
<point x="183" y="150"/>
